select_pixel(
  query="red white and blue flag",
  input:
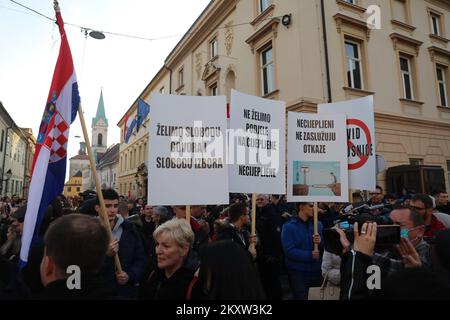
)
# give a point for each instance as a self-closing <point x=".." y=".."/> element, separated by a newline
<point x="50" y="158"/>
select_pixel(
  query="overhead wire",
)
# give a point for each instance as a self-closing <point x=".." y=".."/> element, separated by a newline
<point x="128" y="35"/>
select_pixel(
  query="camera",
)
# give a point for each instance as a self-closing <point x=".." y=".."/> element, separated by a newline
<point x="388" y="234"/>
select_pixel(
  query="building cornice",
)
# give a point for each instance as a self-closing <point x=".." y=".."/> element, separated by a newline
<point x="444" y="4"/>
<point x="207" y="22"/>
<point x="399" y="119"/>
<point x="434" y="51"/>
<point x="399" y="38"/>
<point x="342" y="19"/>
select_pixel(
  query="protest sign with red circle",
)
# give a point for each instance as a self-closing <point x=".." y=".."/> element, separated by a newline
<point x="362" y="157"/>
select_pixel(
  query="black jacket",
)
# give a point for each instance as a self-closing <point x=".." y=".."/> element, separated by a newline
<point x="93" y="287"/>
<point x="132" y="259"/>
<point x="354" y="276"/>
<point x="230" y="232"/>
<point x="268" y="231"/>
<point x="158" y="287"/>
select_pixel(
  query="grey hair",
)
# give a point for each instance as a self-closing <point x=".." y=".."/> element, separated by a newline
<point x="178" y="230"/>
<point x="162" y="211"/>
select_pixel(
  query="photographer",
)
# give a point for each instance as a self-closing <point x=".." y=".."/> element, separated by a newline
<point x="412" y="229"/>
<point x="413" y="283"/>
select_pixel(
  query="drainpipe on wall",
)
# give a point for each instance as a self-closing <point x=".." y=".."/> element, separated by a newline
<point x="325" y="40"/>
<point x="170" y="78"/>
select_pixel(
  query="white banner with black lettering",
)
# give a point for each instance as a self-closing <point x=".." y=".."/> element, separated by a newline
<point x="317" y="158"/>
<point x="256" y="145"/>
<point x="187" y="151"/>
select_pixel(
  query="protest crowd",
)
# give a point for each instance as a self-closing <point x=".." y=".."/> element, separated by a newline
<point x="215" y="257"/>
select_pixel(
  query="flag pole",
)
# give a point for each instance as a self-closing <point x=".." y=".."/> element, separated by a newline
<point x="103" y="215"/>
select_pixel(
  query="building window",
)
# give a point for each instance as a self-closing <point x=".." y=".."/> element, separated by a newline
<point x="126" y="161"/>
<point x="213" y="48"/>
<point x="407" y="77"/>
<point x="267" y="71"/>
<point x="69" y="189"/>
<point x="435" y="21"/>
<point x="131" y="159"/>
<point x="78" y="189"/>
<point x="100" y="139"/>
<point x="354" y="67"/>
<point x="442" y="75"/>
<point x="213" y="90"/>
<point x="400" y="11"/>
<point x="416" y="162"/>
<point x="3" y="139"/>
<point x="181" y="77"/>
<point x="263" y="5"/>
<point x="162" y="90"/>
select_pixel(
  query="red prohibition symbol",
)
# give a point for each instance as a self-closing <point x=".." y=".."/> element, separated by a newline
<point x="362" y="158"/>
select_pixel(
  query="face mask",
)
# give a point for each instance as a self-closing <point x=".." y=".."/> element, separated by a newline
<point x="404" y="234"/>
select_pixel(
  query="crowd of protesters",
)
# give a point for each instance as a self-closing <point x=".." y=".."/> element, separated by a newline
<point x="214" y="256"/>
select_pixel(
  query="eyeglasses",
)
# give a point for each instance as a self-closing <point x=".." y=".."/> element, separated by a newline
<point x="417" y="208"/>
<point x="375" y="193"/>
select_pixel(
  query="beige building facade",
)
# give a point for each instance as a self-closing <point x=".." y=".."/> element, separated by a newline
<point x="308" y="52"/>
<point x="132" y="167"/>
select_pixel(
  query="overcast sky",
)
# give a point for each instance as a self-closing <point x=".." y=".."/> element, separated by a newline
<point x="29" y="46"/>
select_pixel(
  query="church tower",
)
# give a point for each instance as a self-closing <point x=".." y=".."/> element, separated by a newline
<point x="100" y="129"/>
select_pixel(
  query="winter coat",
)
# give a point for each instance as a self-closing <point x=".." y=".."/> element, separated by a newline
<point x="331" y="264"/>
<point x="132" y="258"/>
<point x="92" y="287"/>
<point x="159" y="287"/>
<point x="268" y="230"/>
<point x="297" y="240"/>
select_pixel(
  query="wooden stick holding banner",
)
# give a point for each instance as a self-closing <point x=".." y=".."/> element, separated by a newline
<point x="188" y="214"/>
<point x="316" y="225"/>
<point x="103" y="214"/>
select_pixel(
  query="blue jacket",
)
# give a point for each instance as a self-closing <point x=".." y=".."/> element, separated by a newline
<point x="133" y="260"/>
<point x="297" y="241"/>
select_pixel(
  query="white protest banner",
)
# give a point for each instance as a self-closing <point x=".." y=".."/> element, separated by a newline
<point x="361" y="140"/>
<point x="317" y="158"/>
<point x="256" y="145"/>
<point x="187" y="151"/>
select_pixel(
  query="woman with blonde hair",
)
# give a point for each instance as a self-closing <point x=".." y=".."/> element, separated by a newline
<point x="172" y="278"/>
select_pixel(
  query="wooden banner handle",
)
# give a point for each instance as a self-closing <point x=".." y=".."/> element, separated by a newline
<point x="188" y="214"/>
<point x="103" y="215"/>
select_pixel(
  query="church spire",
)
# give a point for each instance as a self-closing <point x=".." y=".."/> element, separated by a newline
<point x="100" y="111"/>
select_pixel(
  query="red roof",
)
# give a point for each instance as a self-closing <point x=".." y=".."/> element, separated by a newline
<point x="80" y="157"/>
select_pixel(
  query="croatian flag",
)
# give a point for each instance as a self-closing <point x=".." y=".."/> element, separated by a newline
<point x="130" y="124"/>
<point x="49" y="163"/>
